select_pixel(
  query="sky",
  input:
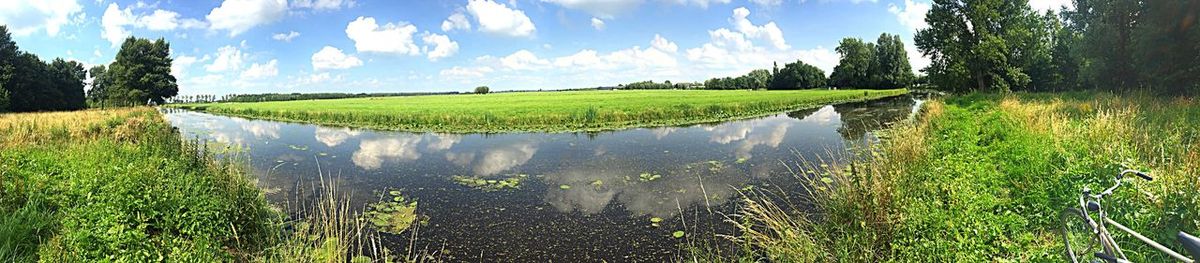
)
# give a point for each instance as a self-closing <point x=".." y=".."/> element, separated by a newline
<point x="285" y="46"/>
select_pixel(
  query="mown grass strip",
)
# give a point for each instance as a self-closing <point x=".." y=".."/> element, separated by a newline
<point x="572" y="111"/>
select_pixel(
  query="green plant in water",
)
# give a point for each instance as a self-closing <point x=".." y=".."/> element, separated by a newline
<point x="647" y="177"/>
<point x="655" y="220"/>
<point x="509" y="183"/>
<point x="392" y="216"/>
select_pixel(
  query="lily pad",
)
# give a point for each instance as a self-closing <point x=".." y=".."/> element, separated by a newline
<point x="564" y="187"/>
<point x="678" y="234"/>
<point x="391" y="216"/>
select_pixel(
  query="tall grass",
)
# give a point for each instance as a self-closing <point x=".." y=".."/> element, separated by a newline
<point x="121" y="185"/>
<point x="542" y="111"/>
<point x="983" y="178"/>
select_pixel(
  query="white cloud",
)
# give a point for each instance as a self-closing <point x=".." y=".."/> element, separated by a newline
<point x="769" y="31"/>
<point x="497" y="18"/>
<point x="285" y="37"/>
<point x="237" y="16"/>
<point x="917" y="60"/>
<point x="333" y="58"/>
<point x="912" y="15"/>
<point x="767" y="2"/>
<point x="25" y="17"/>
<point x="323" y="4"/>
<point x="163" y="20"/>
<point x="390" y="38"/>
<point x="1043" y="5"/>
<point x="114" y="21"/>
<point x="180" y="64"/>
<point x="372" y="153"/>
<point x="442" y="46"/>
<point x="465" y="72"/>
<point x="523" y="60"/>
<point x="456" y="21"/>
<point x="597" y="23"/>
<point x="227" y="58"/>
<point x="600" y="8"/>
<point x="258" y="71"/>
<point x="663" y="44"/>
<point x="700" y="3"/>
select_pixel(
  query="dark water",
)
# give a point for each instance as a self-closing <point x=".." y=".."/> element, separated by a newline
<point x="583" y="199"/>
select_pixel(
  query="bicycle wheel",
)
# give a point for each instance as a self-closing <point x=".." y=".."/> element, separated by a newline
<point x="1078" y="237"/>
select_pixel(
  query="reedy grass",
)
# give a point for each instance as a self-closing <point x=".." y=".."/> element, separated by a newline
<point x="984" y="177"/>
<point x="569" y="111"/>
<point x="121" y="185"/>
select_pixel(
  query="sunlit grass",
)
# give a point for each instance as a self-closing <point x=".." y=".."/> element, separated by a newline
<point x="542" y="111"/>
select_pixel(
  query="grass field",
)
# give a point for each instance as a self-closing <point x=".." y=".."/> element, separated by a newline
<point x="541" y="111"/>
<point x="122" y="186"/>
<point x="984" y="178"/>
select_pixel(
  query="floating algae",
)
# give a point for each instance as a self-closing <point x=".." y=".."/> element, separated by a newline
<point x="512" y="182"/>
<point x="393" y="216"/>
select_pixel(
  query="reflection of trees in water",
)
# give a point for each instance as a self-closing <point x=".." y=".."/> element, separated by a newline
<point x="862" y="117"/>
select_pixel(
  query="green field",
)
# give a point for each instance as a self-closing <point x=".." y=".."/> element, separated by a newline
<point x="542" y="111"/>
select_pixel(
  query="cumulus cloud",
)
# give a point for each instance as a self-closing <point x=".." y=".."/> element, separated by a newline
<point x="323" y="4"/>
<point x="456" y="21"/>
<point x="700" y="3"/>
<point x="389" y="38"/>
<point x="285" y="37"/>
<point x="597" y="23"/>
<point x="227" y="58"/>
<point x="663" y="44"/>
<point x="768" y="31"/>
<point x="523" y="60"/>
<point x="912" y="14"/>
<point x="180" y="64"/>
<point x="767" y="2"/>
<point x="497" y="18"/>
<point x="333" y="58"/>
<point x="748" y="46"/>
<point x="24" y="17"/>
<point x="237" y="16"/>
<point x="115" y="20"/>
<point x="465" y="72"/>
<point x="258" y="71"/>
<point x="442" y="46"/>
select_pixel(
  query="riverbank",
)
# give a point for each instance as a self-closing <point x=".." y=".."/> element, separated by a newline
<point x="984" y="177"/>
<point x="570" y="111"/>
<point x="121" y="185"/>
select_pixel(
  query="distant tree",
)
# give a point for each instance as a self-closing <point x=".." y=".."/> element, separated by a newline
<point x="142" y="72"/>
<point x="482" y="90"/>
<point x="798" y="75"/>
<point x="759" y="79"/>
<point x="101" y="81"/>
<point x="854" y="68"/>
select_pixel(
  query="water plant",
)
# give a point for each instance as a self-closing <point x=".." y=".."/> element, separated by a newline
<point x="511" y="182"/>
<point x="648" y="177"/>
<point x="393" y="214"/>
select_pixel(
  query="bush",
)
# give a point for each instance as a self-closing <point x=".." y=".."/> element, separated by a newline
<point x="482" y="90"/>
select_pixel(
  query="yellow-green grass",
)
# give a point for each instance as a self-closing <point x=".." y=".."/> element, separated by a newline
<point x="985" y="177"/>
<point x="542" y="111"/>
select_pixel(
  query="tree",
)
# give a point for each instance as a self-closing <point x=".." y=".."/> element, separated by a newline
<point x="142" y="72"/>
<point x="68" y="77"/>
<point x="101" y="81"/>
<point x="3" y="99"/>
<point x="971" y="42"/>
<point x="853" y="69"/>
<point x="1166" y="43"/>
<point x="482" y="90"/>
<point x="798" y="75"/>
<point x="1107" y="43"/>
<point x="890" y="70"/>
<point x="759" y="79"/>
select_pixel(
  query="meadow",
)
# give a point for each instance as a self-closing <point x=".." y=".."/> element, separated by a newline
<point x="541" y="111"/>
<point x="984" y="178"/>
<point x="121" y="185"/>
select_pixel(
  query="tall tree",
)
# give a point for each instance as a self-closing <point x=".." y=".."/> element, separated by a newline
<point x="100" y="83"/>
<point x="759" y="78"/>
<point x="969" y="43"/>
<point x="798" y="75"/>
<point x="8" y="56"/>
<point x="890" y="69"/>
<point x="1107" y="41"/>
<point x="67" y="77"/>
<point x="853" y="69"/>
<point x="142" y="72"/>
<point x="1065" y="58"/>
<point x="1166" y="39"/>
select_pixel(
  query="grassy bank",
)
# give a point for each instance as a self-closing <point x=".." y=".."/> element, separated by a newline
<point x="984" y="177"/>
<point x="541" y="111"/>
<point x="120" y="185"/>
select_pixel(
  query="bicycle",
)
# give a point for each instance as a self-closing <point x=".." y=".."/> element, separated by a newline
<point x="1082" y="234"/>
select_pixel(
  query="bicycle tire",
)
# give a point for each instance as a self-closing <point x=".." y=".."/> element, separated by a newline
<point x="1079" y="240"/>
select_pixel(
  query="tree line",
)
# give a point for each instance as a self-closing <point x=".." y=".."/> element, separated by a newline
<point x="140" y="74"/>
<point x="1113" y="45"/>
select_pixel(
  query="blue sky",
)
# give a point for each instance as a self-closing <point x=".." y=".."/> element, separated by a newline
<point x="257" y="46"/>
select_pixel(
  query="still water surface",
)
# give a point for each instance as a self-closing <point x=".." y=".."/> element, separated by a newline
<point x="584" y="199"/>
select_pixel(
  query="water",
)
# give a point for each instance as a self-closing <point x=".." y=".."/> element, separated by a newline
<point x="583" y="198"/>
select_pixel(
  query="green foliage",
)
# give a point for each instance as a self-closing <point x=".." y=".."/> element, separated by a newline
<point x="798" y="75"/>
<point x="482" y="90"/>
<point x="890" y="68"/>
<point x="3" y="99"/>
<point x="981" y="45"/>
<point x="141" y="73"/>
<point x="541" y="111"/>
<point x="30" y="84"/>
<point x="853" y="70"/>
